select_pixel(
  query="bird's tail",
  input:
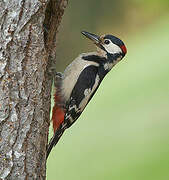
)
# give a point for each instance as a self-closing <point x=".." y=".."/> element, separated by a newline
<point x="58" y="114"/>
<point x="54" y="140"/>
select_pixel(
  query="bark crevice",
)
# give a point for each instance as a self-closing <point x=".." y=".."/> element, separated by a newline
<point x="26" y="60"/>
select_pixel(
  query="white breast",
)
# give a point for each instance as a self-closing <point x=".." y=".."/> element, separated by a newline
<point x="72" y="73"/>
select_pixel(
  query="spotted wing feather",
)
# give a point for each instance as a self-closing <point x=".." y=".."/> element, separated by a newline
<point x="84" y="89"/>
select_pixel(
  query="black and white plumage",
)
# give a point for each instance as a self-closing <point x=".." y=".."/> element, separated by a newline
<point x="80" y="80"/>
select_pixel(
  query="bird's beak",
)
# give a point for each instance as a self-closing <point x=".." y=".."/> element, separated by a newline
<point x="93" y="37"/>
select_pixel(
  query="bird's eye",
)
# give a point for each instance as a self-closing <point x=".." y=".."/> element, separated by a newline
<point x="106" y="41"/>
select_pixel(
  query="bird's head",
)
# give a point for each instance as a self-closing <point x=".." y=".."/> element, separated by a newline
<point x="109" y="45"/>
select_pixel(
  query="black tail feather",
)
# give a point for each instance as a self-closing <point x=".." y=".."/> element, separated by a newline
<point x="54" y="140"/>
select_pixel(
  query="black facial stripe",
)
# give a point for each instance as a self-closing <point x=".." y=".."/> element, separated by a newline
<point x="94" y="58"/>
<point x="102" y="60"/>
<point x="112" y="57"/>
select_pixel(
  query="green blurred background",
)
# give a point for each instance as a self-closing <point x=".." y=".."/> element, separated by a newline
<point x="123" y="133"/>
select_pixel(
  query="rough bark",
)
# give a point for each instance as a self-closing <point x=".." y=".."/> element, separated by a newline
<point x="27" y="55"/>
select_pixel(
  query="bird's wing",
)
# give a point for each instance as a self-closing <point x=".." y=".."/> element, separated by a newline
<point x="81" y="94"/>
<point x="83" y="91"/>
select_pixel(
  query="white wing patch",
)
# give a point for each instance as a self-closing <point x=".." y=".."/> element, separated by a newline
<point x="88" y="93"/>
<point x="72" y="73"/>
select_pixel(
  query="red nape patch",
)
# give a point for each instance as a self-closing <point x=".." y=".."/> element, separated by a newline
<point x="124" y="49"/>
<point x="58" y="114"/>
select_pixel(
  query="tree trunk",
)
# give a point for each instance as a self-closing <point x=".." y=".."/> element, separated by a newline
<point x="28" y="30"/>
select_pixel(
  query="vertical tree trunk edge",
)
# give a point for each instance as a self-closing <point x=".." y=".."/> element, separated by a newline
<point x="28" y="32"/>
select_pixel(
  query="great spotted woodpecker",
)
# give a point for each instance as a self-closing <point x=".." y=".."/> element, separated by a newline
<point x="80" y="80"/>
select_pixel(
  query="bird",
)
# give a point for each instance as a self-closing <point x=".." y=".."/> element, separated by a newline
<point x="75" y="87"/>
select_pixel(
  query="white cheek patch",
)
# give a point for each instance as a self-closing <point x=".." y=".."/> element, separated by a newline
<point x="112" y="48"/>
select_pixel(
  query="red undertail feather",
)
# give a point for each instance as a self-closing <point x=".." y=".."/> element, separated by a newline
<point x="58" y="113"/>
